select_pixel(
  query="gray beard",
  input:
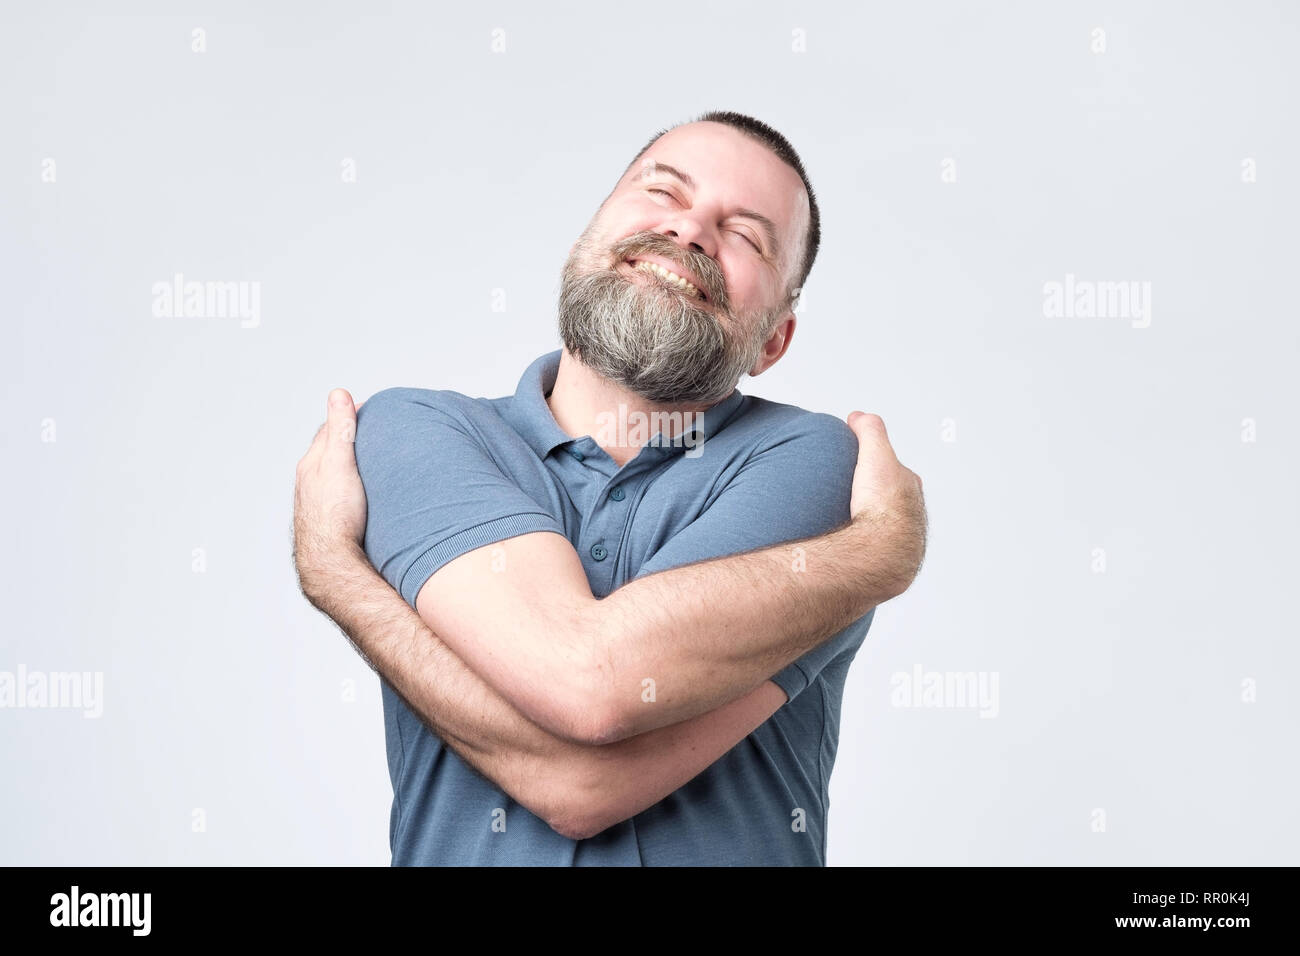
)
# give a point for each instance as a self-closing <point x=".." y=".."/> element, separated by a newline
<point x="649" y="339"/>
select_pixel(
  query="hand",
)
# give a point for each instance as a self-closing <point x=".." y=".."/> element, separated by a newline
<point x="329" y="501"/>
<point x="888" y="494"/>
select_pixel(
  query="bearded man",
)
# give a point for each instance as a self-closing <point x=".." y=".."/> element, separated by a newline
<point x="611" y="645"/>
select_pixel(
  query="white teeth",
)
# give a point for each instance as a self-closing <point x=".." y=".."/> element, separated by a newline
<point x="670" y="276"/>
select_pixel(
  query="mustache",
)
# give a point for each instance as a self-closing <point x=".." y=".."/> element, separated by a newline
<point x="711" y="281"/>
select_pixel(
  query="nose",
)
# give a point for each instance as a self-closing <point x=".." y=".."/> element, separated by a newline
<point x="690" y="236"/>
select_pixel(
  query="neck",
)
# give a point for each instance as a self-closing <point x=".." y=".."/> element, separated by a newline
<point x="618" y="420"/>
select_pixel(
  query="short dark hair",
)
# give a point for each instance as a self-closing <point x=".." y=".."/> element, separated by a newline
<point x="785" y="152"/>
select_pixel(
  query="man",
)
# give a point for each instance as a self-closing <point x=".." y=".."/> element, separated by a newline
<point x="600" y="643"/>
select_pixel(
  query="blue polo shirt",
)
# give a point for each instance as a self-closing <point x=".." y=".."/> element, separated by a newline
<point x="445" y="474"/>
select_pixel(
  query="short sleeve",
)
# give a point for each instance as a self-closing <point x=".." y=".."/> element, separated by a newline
<point x="433" y="489"/>
<point x="797" y="484"/>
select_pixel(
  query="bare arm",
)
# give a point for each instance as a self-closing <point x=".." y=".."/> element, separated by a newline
<point x="578" y="789"/>
<point x="705" y="634"/>
<point x="521" y="614"/>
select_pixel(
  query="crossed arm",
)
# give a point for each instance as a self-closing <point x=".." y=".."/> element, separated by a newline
<point x="579" y="789"/>
<point x="555" y="715"/>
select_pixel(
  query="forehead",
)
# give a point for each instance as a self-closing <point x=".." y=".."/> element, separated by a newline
<point x="732" y="167"/>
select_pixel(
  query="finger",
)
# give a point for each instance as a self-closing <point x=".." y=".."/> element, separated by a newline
<point x="316" y="448"/>
<point x="871" y="433"/>
<point x="342" y="425"/>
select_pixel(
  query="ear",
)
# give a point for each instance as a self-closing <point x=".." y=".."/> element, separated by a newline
<point x="776" y="344"/>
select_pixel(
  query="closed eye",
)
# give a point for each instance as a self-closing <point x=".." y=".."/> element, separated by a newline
<point x="744" y="235"/>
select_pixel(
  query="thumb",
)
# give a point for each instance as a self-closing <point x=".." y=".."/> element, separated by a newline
<point x="342" y="423"/>
<point x="870" y="430"/>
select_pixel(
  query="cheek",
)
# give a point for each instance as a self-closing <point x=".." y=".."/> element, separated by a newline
<point x="620" y="229"/>
<point x="748" y="289"/>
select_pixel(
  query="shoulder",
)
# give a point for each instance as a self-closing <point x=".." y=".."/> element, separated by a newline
<point x="415" y="410"/>
<point x="415" y="401"/>
<point x="797" y="469"/>
<point x="789" y="428"/>
<point x="403" y="427"/>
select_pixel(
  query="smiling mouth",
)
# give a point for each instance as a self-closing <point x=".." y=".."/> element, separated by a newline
<point x="667" y="277"/>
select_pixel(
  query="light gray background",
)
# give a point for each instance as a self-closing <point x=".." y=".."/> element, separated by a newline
<point x="1120" y="691"/>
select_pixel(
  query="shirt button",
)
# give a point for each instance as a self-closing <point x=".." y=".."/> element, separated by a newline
<point x="617" y="493"/>
<point x="577" y="454"/>
<point x="598" y="552"/>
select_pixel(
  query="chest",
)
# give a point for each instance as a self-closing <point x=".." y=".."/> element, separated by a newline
<point x="617" y="518"/>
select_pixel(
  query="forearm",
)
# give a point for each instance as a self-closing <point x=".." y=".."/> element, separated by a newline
<point x="709" y="632"/>
<point x="578" y="789"/>
<point x="664" y="648"/>
<point x="392" y="638"/>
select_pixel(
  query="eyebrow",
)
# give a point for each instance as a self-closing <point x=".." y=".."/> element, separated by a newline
<point x="769" y="227"/>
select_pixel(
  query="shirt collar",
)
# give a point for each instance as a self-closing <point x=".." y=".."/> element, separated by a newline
<point x="532" y="417"/>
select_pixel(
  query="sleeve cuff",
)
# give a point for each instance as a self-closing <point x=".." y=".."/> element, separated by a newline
<point x="465" y="541"/>
<point x="792" y="680"/>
